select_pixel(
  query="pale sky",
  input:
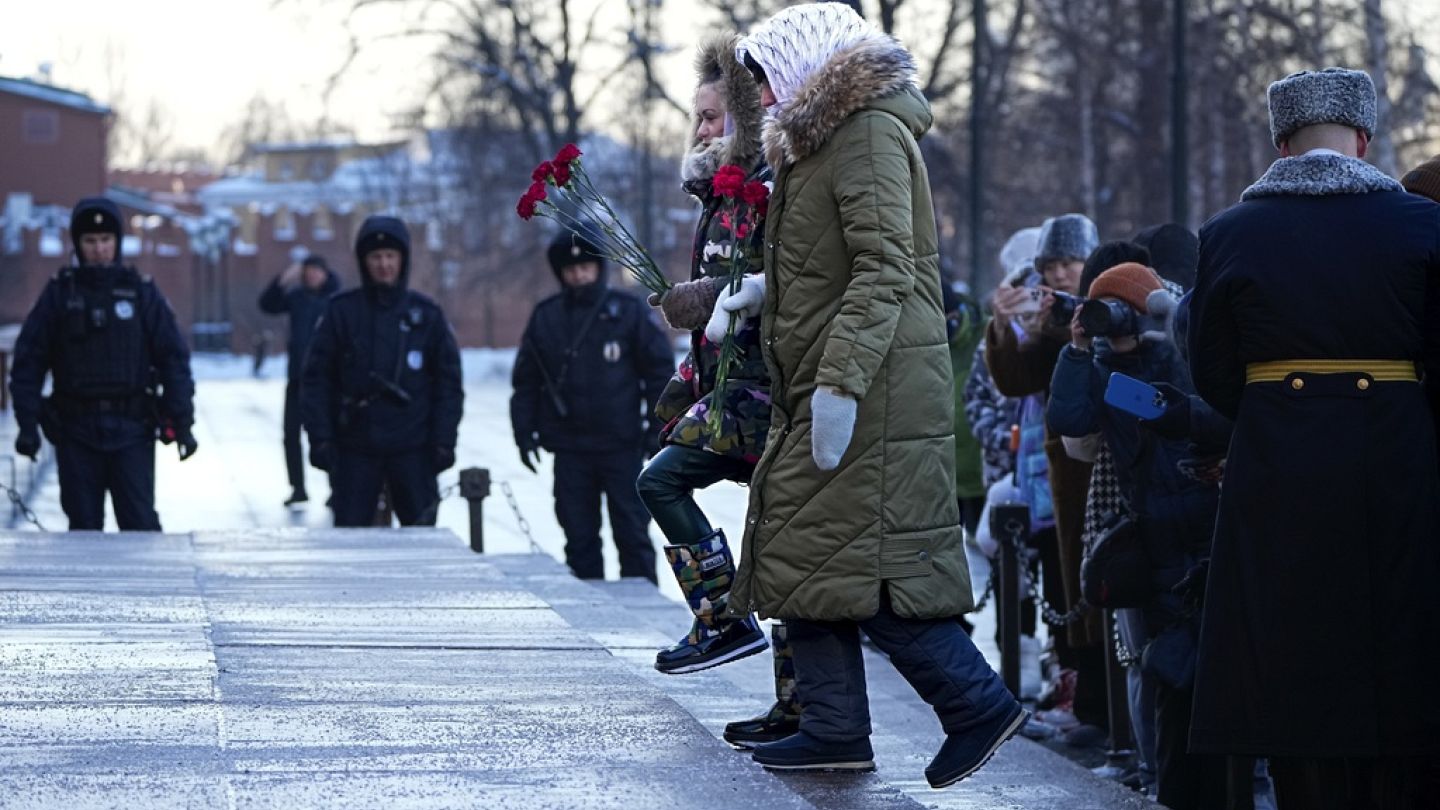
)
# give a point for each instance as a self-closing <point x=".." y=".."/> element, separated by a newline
<point x="203" y="60"/>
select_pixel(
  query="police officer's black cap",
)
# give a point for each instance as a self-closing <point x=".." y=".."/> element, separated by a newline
<point x="95" y="215"/>
<point x="569" y="247"/>
<point x="315" y="260"/>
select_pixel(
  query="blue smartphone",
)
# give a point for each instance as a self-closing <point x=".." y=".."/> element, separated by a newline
<point x="1134" y="397"/>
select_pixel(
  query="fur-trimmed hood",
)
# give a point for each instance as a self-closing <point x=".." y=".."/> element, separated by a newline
<point x="877" y="72"/>
<point x="1320" y="173"/>
<point x="741" y="146"/>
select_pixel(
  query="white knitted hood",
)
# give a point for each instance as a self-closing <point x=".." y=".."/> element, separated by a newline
<point x="795" y="43"/>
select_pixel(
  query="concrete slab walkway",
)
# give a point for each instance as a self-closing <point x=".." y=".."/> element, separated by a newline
<point x="323" y="669"/>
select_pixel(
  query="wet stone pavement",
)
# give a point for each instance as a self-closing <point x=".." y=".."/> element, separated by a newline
<point x="257" y="658"/>
<point x="372" y="668"/>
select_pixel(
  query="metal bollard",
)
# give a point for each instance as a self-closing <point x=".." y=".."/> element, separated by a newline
<point x="1011" y="523"/>
<point x="475" y="488"/>
<point x="1121" y="750"/>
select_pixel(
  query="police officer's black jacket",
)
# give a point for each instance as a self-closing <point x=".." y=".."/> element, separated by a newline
<point x="607" y="386"/>
<point x="305" y="306"/>
<point x="383" y="372"/>
<point x="105" y="334"/>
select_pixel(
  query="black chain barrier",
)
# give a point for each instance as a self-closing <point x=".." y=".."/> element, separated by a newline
<point x="433" y="510"/>
<point x="22" y="508"/>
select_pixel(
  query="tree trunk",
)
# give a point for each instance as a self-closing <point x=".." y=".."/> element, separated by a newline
<point x="1382" y="149"/>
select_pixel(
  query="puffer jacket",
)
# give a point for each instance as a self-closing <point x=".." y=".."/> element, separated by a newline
<point x="686" y="402"/>
<point x="853" y="302"/>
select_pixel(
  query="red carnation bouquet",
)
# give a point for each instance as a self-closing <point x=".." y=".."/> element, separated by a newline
<point x="565" y="173"/>
<point x="742" y="214"/>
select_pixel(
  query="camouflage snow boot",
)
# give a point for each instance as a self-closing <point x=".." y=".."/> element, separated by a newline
<point x="783" y="717"/>
<point x="705" y="571"/>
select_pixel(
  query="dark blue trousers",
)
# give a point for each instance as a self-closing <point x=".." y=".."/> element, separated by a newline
<point x="357" y="479"/>
<point x="580" y="480"/>
<point x="127" y="473"/>
<point x="935" y="656"/>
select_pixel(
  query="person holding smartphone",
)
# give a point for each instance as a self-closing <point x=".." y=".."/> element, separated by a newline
<point x="1174" y="512"/>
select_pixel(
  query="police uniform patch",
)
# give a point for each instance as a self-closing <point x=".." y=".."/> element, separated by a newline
<point x="415" y="359"/>
<point x="612" y="351"/>
<point x="124" y="310"/>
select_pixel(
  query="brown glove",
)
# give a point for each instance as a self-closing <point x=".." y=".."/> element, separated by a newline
<point x="688" y="304"/>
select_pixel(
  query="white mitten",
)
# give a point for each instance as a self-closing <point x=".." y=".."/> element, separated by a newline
<point x="832" y="417"/>
<point x="745" y="303"/>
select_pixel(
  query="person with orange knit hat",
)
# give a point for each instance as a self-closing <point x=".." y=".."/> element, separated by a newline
<point x="1120" y="328"/>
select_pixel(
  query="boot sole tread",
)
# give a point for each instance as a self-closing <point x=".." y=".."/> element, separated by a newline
<point x="1010" y="731"/>
<point x="733" y="654"/>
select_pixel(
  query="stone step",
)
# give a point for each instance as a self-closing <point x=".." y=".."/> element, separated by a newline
<point x="637" y="621"/>
<point x="324" y="669"/>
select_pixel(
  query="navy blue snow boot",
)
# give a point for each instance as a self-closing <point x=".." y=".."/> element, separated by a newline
<point x="801" y="752"/>
<point x="963" y="753"/>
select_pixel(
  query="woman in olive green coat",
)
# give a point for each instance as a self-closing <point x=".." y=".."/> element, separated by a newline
<point x="853" y="523"/>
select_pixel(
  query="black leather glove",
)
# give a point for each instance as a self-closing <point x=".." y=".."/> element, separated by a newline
<point x="187" y="444"/>
<point x="1175" y="422"/>
<point x="444" y="458"/>
<point x="322" y="456"/>
<point x="28" y="443"/>
<point x="530" y="456"/>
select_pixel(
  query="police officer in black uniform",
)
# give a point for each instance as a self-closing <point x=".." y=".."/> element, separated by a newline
<point x="382" y="393"/>
<point x="591" y="364"/>
<point x="302" y="292"/>
<point x="121" y="370"/>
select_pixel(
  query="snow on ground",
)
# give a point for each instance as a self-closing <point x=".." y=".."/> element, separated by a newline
<point x="237" y="479"/>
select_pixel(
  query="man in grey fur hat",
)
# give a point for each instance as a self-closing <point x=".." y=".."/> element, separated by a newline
<point x="1314" y="315"/>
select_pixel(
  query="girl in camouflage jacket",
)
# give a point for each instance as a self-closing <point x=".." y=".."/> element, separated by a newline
<point x="700" y="450"/>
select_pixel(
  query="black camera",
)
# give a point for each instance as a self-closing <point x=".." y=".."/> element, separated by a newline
<point x="1109" y="319"/>
<point x="1062" y="311"/>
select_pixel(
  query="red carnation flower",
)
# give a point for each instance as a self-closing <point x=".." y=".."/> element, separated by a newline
<point x="542" y="172"/>
<point x="567" y="154"/>
<point x="728" y="181"/>
<point x="560" y="173"/>
<point x="755" y="193"/>
<point x="537" y="190"/>
<point x="526" y="207"/>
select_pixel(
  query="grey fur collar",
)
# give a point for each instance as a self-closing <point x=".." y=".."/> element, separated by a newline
<point x="742" y="102"/>
<point x="869" y="70"/>
<point x="1318" y="174"/>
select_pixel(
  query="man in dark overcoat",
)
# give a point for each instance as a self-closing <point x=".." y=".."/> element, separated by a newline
<point x="1315" y="316"/>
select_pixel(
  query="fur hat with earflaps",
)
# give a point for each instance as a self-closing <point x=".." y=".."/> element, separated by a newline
<point x="1330" y="96"/>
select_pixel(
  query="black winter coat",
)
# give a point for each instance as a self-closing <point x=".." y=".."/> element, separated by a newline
<point x="1176" y="513"/>
<point x="383" y="374"/>
<point x="1321" y="629"/>
<point x="304" y="306"/>
<point x="607" y="378"/>
<point x="121" y="339"/>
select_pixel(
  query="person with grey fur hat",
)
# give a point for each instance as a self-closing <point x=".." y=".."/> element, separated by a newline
<point x="1313" y="323"/>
